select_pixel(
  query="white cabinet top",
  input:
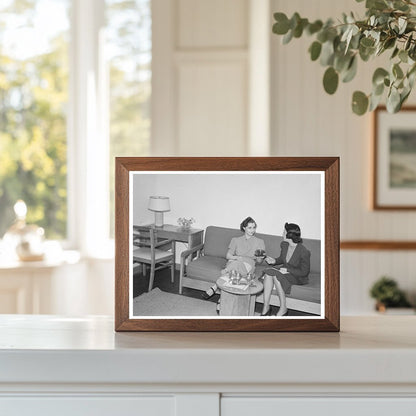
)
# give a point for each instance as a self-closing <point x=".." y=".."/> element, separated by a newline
<point x="49" y="349"/>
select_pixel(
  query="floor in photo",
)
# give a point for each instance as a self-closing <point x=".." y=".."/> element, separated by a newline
<point x="163" y="282"/>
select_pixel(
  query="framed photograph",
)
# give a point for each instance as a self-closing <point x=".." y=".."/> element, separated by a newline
<point x="394" y="159"/>
<point x="227" y="244"/>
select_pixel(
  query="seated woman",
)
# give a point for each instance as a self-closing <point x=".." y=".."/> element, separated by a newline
<point x="291" y="268"/>
<point x="241" y="253"/>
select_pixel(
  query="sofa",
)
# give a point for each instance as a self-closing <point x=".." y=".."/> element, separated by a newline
<point x="201" y="266"/>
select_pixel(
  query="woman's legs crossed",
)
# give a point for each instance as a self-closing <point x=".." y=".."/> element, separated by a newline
<point x="282" y="297"/>
<point x="267" y="292"/>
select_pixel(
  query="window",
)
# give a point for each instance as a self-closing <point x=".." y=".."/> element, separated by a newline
<point x="71" y="99"/>
<point x="129" y="45"/>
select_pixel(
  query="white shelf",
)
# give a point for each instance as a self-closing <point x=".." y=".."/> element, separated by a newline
<point x="53" y="365"/>
<point x="376" y="349"/>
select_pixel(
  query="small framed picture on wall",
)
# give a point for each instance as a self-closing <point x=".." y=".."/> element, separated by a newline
<point x="227" y="244"/>
<point x="394" y="179"/>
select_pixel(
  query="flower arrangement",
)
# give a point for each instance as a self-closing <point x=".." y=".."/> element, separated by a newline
<point x="186" y="223"/>
<point x="260" y="253"/>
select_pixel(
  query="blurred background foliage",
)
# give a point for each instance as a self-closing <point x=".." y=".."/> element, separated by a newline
<point x="33" y="97"/>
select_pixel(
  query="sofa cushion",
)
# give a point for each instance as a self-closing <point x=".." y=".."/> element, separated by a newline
<point x="314" y="246"/>
<point x="217" y="240"/>
<point x="310" y="292"/>
<point x="206" y="268"/>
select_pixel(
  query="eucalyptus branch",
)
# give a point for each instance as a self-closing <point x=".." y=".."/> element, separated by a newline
<point x="388" y="25"/>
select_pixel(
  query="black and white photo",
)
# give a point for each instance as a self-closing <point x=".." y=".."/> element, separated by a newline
<point x="226" y="244"/>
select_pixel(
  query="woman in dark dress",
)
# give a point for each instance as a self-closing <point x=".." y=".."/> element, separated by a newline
<point x="290" y="268"/>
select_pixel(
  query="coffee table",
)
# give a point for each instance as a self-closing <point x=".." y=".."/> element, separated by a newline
<point x="238" y="302"/>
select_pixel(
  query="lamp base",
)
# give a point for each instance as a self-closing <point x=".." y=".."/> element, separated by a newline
<point x="158" y="219"/>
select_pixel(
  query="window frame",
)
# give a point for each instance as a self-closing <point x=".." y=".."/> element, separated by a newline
<point x="87" y="132"/>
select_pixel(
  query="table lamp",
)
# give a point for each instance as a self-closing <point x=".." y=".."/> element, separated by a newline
<point x="159" y="205"/>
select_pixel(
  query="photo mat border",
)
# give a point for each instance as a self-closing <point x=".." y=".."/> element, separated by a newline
<point x="329" y="165"/>
<point x="321" y="176"/>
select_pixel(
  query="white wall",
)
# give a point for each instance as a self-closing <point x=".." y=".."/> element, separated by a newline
<point x="200" y="73"/>
<point x="226" y="199"/>
<point x="202" y="80"/>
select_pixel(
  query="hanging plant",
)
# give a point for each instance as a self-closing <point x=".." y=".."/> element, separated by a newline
<point x="389" y="27"/>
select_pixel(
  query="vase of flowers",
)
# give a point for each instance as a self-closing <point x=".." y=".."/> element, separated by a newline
<point x="185" y="223"/>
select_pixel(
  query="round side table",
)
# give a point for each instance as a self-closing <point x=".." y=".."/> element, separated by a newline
<point x="238" y="302"/>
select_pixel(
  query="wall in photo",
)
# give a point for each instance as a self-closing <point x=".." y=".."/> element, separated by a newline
<point x="225" y="199"/>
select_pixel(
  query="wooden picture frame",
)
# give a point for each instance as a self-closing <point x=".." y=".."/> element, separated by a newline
<point x="394" y="158"/>
<point x="135" y="183"/>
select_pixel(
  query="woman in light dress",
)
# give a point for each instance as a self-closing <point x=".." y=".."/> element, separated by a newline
<point x="241" y="254"/>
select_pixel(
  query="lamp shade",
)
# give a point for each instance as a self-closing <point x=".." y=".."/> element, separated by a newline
<point x="159" y="204"/>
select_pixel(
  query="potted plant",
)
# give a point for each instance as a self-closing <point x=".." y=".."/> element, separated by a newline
<point x="387" y="294"/>
<point x="389" y="27"/>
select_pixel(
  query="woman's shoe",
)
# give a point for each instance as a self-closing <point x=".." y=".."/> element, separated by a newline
<point x="268" y="313"/>
<point x="207" y="295"/>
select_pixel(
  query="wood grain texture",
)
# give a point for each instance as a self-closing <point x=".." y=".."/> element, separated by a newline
<point x="332" y="225"/>
<point x="378" y="245"/>
<point x="330" y="165"/>
<point x="121" y="244"/>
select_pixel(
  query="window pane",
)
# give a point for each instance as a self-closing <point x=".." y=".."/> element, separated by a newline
<point x="34" y="36"/>
<point x="129" y="46"/>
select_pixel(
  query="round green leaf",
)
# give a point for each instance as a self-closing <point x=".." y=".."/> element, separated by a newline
<point x="389" y="43"/>
<point x="393" y="101"/>
<point x="294" y="20"/>
<point x="412" y="52"/>
<point x="403" y="56"/>
<point x="359" y="103"/>
<point x="314" y="27"/>
<point x="376" y="4"/>
<point x="342" y="61"/>
<point x="379" y="75"/>
<point x="408" y="42"/>
<point x="395" y="52"/>
<point x="298" y="30"/>
<point x="403" y="96"/>
<point x="288" y="37"/>
<point x="281" y="26"/>
<point x="330" y="80"/>
<point x="315" y="50"/>
<point x="365" y="53"/>
<point x="322" y="36"/>
<point x="374" y="102"/>
<point x="378" y="90"/>
<point x="397" y="71"/>
<point x="367" y="42"/>
<point x="327" y="54"/>
<point x="351" y="71"/>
